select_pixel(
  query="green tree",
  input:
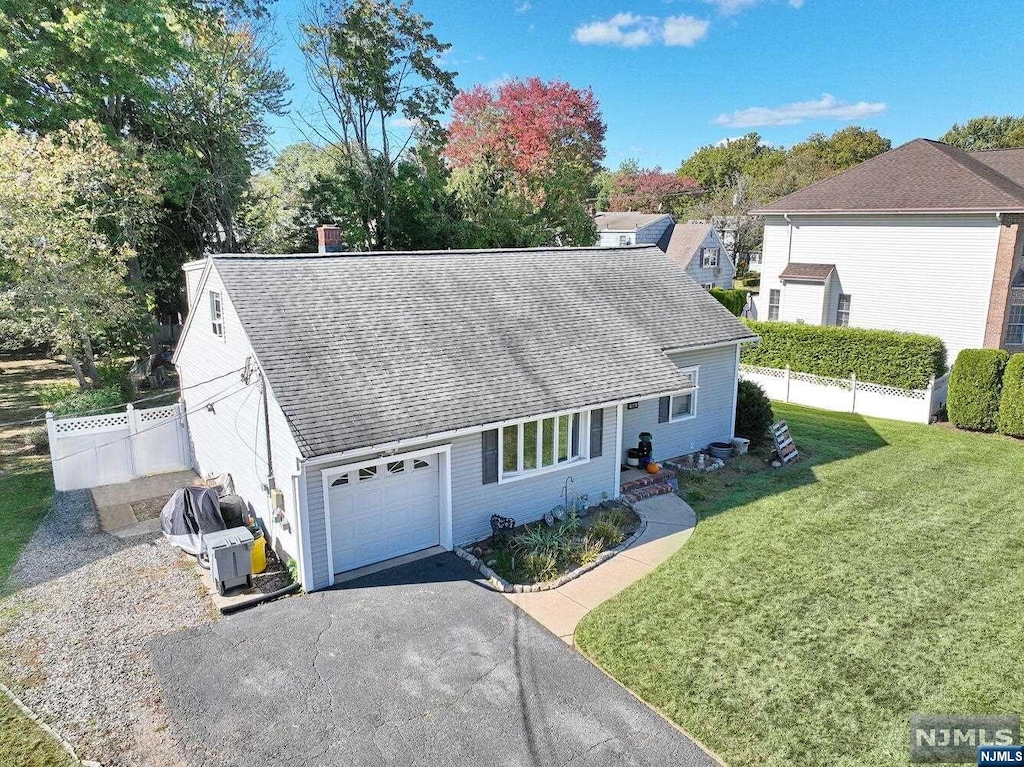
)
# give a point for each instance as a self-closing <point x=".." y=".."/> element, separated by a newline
<point x="71" y="207"/>
<point x="988" y="132"/>
<point x="373" y="62"/>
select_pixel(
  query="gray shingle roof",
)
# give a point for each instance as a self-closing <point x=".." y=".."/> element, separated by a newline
<point x="363" y="349"/>
<point x="920" y="176"/>
<point x="626" y="221"/>
<point x="681" y="241"/>
<point x="807" y="272"/>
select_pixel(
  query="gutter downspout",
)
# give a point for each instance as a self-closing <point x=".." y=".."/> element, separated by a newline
<point x="271" y="485"/>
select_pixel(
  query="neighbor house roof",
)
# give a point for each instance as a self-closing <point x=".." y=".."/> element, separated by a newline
<point x="681" y="241"/>
<point x="807" y="272"/>
<point x="364" y="349"/>
<point x="921" y="176"/>
<point x="626" y="222"/>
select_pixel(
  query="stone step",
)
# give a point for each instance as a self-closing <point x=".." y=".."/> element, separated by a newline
<point x="662" y="477"/>
<point x="648" y="491"/>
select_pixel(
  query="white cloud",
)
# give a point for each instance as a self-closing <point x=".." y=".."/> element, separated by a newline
<point x="731" y="7"/>
<point x="685" y="30"/>
<point x="827" y="107"/>
<point x="628" y="30"/>
<point x="404" y="123"/>
<point x="526" y="6"/>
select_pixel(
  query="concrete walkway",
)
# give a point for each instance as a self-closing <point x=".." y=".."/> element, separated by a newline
<point x="670" y="522"/>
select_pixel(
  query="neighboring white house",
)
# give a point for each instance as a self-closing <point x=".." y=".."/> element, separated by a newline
<point x="370" y="405"/>
<point x="697" y="247"/>
<point x="617" y="230"/>
<point x="925" y="238"/>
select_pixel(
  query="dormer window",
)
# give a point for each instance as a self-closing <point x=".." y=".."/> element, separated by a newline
<point x="625" y="239"/>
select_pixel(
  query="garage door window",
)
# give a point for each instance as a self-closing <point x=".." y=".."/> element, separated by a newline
<point x="420" y="464"/>
<point x="396" y="467"/>
<point x="367" y="472"/>
<point x="342" y="480"/>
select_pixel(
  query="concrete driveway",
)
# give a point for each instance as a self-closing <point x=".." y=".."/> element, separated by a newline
<point x="418" y="665"/>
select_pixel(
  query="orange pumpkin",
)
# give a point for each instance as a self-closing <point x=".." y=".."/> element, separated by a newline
<point x="653" y="468"/>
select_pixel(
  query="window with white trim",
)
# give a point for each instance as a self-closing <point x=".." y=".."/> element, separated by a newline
<point x="625" y="239"/>
<point x="216" y="314"/>
<point x="541" y="444"/>
<point x="683" y="404"/>
<point x="708" y="285"/>
<point x="709" y="258"/>
<point x="1015" y="321"/>
<point x="774" y="296"/>
<point x="843" y="310"/>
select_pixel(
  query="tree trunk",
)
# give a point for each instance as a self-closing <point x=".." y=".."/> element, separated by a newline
<point x="77" y="367"/>
<point x="89" y="360"/>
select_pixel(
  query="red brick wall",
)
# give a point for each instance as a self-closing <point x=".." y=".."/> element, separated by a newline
<point x="1008" y="262"/>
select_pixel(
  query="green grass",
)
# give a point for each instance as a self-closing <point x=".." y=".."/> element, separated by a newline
<point x="25" y="744"/>
<point x="817" y="606"/>
<point x="24" y="501"/>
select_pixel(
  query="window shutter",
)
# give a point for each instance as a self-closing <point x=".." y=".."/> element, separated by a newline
<point x="596" y="432"/>
<point x="664" y="405"/>
<point x="489" y="450"/>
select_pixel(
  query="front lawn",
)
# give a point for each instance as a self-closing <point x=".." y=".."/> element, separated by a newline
<point x="817" y="606"/>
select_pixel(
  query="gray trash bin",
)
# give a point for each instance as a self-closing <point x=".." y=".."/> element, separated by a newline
<point x="230" y="554"/>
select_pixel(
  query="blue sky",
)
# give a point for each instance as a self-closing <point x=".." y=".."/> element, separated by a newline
<point x="673" y="75"/>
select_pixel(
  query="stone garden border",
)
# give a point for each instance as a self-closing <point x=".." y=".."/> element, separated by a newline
<point x="498" y="583"/>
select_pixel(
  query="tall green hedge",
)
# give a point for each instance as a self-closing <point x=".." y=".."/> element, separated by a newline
<point x="974" y="386"/>
<point x="733" y="300"/>
<point x="1011" y="403"/>
<point x="903" y="360"/>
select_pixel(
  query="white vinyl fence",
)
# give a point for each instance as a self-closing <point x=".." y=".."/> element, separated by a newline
<point x="849" y="395"/>
<point x="95" y="450"/>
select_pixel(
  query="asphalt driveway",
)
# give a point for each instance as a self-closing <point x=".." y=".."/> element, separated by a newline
<point x="418" y="665"/>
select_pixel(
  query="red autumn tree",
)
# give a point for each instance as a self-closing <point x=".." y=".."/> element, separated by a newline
<point x="523" y="157"/>
<point x="529" y="127"/>
<point x="650" y="191"/>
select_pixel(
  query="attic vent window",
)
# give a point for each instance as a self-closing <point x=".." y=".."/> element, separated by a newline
<point x="216" y="314"/>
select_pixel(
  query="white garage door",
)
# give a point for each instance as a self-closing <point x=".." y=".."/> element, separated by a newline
<point x="384" y="511"/>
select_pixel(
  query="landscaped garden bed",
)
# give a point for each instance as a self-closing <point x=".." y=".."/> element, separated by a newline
<point x="540" y="556"/>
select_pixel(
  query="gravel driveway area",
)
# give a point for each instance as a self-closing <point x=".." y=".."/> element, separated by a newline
<point x="417" y="665"/>
<point x="75" y="634"/>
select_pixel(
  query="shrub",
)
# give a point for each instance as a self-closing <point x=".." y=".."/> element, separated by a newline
<point x="974" y="385"/>
<point x="733" y="300"/>
<point x="1011" y="403"/>
<point x="753" y="412"/>
<point x="586" y="549"/>
<point x="886" y="357"/>
<point x="38" y="438"/>
<point x="88" y="401"/>
<point x="606" y="530"/>
<point x="116" y="374"/>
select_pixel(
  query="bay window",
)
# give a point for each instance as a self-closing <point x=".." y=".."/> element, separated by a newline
<point x="541" y="444"/>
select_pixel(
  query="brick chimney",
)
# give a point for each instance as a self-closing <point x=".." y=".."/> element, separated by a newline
<point x="328" y="239"/>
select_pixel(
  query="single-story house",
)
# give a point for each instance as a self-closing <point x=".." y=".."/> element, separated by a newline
<point x="926" y="238"/>
<point x="696" y="246"/>
<point x="369" y="405"/>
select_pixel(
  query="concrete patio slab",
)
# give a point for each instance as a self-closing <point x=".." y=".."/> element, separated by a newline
<point x="670" y="522"/>
<point x="114" y="502"/>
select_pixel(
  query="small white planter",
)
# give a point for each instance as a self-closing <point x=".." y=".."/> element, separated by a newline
<point x="742" y="445"/>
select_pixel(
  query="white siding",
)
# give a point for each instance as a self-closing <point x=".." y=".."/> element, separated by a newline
<point x="717" y="381"/>
<point x="803" y="302"/>
<point x="915" y="273"/>
<point x="232" y="437"/>
<point x="193" y="274"/>
<point x="726" y="271"/>
<point x="611" y="239"/>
